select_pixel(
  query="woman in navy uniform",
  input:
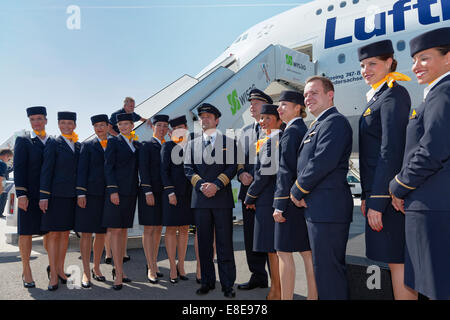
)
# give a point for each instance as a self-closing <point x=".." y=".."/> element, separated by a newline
<point x="177" y="212"/>
<point x="382" y="133"/>
<point x="58" y="194"/>
<point x="28" y="157"/>
<point x="291" y="234"/>
<point x="91" y="198"/>
<point x="121" y="175"/>
<point x="259" y="196"/>
<point x="424" y="178"/>
<point x="150" y="194"/>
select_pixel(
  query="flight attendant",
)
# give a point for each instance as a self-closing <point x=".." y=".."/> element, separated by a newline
<point x="420" y="189"/>
<point x="382" y="132"/>
<point x="91" y="198"/>
<point x="259" y="196"/>
<point x="291" y="234"/>
<point x="58" y="194"/>
<point x="121" y="175"/>
<point x="176" y="200"/>
<point x="28" y="158"/>
<point x="150" y="194"/>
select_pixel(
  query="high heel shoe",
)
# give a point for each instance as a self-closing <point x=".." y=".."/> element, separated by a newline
<point x="66" y="274"/>
<point x="151" y="280"/>
<point x="28" y="285"/>
<point x="63" y="281"/>
<point x="184" y="278"/>
<point x="98" y="278"/>
<point x="117" y="286"/>
<point x="52" y="288"/>
<point x="174" y="280"/>
<point x="123" y="279"/>
<point x="86" y="284"/>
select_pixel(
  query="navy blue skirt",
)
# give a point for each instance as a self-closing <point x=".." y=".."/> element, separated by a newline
<point x="150" y="215"/>
<point x="264" y="230"/>
<point x="292" y="235"/>
<point x="121" y="216"/>
<point x="60" y="215"/>
<point x="29" y="222"/>
<point x="388" y="245"/>
<point x="427" y="254"/>
<point x="179" y="215"/>
<point x="89" y="219"/>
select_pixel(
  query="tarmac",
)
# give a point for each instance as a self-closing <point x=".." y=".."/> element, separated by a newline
<point x="140" y="289"/>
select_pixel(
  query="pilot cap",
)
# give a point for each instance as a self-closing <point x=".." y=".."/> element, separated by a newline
<point x="259" y="95"/>
<point x="431" y="39"/>
<point x="209" y="108"/>
<point x="292" y="96"/>
<point x="375" y="49"/>
<point x="31" y="111"/>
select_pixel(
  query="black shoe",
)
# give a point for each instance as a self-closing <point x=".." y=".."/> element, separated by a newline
<point x="86" y="285"/>
<point x="126" y="280"/>
<point x="159" y="274"/>
<point x="117" y="286"/>
<point x="63" y="281"/>
<point x="126" y="258"/>
<point x="204" y="289"/>
<point x="198" y="280"/>
<point x="229" y="293"/>
<point x="98" y="278"/>
<point x="48" y="275"/>
<point x="174" y="280"/>
<point x="184" y="278"/>
<point x="52" y="288"/>
<point x="251" y="285"/>
<point x="108" y="260"/>
<point x="28" y="285"/>
<point x="151" y="280"/>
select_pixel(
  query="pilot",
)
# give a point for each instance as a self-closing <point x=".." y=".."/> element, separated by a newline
<point x="420" y="189"/>
<point x="321" y="188"/>
<point x="259" y="196"/>
<point x="28" y="157"/>
<point x="256" y="261"/>
<point x="291" y="234"/>
<point x="91" y="198"/>
<point x="121" y="176"/>
<point x="58" y="194"/>
<point x="210" y="167"/>
<point x="150" y="194"/>
<point x="382" y="132"/>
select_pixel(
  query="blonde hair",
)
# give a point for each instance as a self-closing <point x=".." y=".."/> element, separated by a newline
<point x="128" y="99"/>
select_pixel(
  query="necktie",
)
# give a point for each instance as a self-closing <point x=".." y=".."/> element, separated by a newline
<point x="208" y="141"/>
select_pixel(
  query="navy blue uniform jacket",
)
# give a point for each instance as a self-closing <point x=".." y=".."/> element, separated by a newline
<point x="172" y="174"/>
<point x="322" y="169"/>
<point x="150" y="166"/>
<point x="289" y="143"/>
<point x="246" y="148"/>
<point x="382" y="134"/>
<point x="91" y="171"/>
<point x="28" y="157"/>
<point x="424" y="179"/>
<point x="121" y="167"/>
<point x="59" y="169"/>
<point x="219" y="172"/>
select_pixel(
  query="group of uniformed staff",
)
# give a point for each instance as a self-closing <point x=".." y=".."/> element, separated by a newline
<point x="294" y="191"/>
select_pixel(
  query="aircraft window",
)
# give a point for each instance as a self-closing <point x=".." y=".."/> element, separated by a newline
<point x="343" y="4"/>
<point x="330" y="8"/>
<point x="319" y="11"/>
<point x="341" y="58"/>
<point x="238" y="39"/>
<point x="401" y="45"/>
<point x="245" y="36"/>
<point x="355" y="1"/>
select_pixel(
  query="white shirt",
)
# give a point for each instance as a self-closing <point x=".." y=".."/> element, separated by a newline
<point x="101" y="143"/>
<point x="318" y="117"/>
<point x="130" y="144"/>
<point x="70" y="143"/>
<point x="158" y="140"/>
<point x="34" y="135"/>
<point x="212" y="136"/>
<point x="372" y="92"/>
<point x="291" y="122"/>
<point x="431" y="86"/>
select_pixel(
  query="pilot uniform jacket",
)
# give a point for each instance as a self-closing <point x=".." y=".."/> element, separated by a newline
<point x="28" y="158"/>
<point x="261" y="193"/>
<point x="121" y="175"/>
<point x="91" y="184"/>
<point x="174" y="180"/>
<point x="150" y="176"/>
<point x="246" y="146"/>
<point x="291" y="235"/>
<point x="322" y="181"/>
<point x="423" y="183"/>
<point x="382" y="133"/>
<point x="58" y="184"/>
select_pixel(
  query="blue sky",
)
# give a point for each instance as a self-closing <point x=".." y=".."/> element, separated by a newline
<point x="123" y="48"/>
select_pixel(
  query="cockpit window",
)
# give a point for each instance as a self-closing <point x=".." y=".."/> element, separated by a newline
<point x="237" y="40"/>
<point x="244" y="36"/>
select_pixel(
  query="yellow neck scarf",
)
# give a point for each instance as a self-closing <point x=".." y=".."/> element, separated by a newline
<point x="162" y="141"/>
<point x="177" y="139"/>
<point x="260" y="143"/>
<point x="132" y="137"/>
<point x="40" y="133"/>
<point x="104" y="143"/>
<point x="390" y="78"/>
<point x="72" y="137"/>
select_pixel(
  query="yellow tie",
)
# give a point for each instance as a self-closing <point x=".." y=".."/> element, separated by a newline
<point x="390" y="78"/>
<point x="260" y="143"/>
<point x="104" y="143"/>
<point x="40" y="133"/>
<point x="72" y="137"/>
<point x="132" y="137"/>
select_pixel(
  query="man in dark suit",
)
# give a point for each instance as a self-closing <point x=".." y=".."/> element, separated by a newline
<point x="210" y="165"/>
<point x="128" y="107"/>
<point x="247" y="154"/>
<point x="321" y="187"/>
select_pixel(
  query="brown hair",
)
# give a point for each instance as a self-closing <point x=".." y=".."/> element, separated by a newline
<point x="443" y="50"/>
<point x="303" y="111"/>
<point x="394" y="62"/>
<point x="326" y="83"/>
<point x="6" y="152"/>
<point x="128" y="99"/>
